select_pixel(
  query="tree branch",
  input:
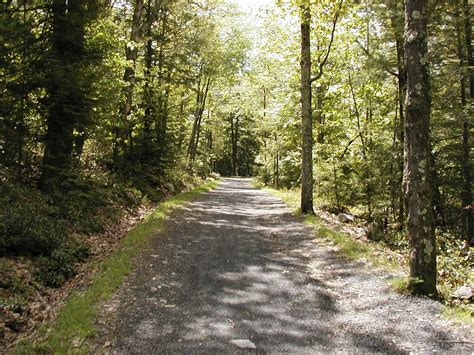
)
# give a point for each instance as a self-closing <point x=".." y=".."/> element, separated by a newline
<point x="378" y="60"/>
<point x="323" y="63"/>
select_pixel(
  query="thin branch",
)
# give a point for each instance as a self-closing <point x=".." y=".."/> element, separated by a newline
<point x="323" y="63"/>
<point x="378" y="60"/>
<point x="348" y="145"/>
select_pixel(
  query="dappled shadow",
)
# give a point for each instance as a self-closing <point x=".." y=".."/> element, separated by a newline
<point x="236" y="265"/>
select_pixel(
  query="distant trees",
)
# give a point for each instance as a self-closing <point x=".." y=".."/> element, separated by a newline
<point x="360" y="111"/>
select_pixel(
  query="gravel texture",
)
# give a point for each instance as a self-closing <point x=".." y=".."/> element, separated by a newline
<point x="235" y="272"/>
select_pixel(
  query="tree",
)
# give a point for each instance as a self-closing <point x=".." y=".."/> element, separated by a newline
<point x="467" y="80"/>
<point x="306" y="112"/>
<point x="306" y="97"/>
<point x="420" y="219"/>
<point x="67" y="99"/>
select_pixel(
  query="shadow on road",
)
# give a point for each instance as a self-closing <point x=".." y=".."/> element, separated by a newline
<point x="235" y="264"/>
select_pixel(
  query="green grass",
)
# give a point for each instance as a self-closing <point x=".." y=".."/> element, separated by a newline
<point x="459" y="314"/>
<point x="75" y="322"/>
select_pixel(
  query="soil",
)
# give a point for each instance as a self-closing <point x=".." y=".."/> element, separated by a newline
<point x="235" y="272"/>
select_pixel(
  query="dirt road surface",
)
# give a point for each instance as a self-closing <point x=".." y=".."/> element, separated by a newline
<point x="235" y="272"/>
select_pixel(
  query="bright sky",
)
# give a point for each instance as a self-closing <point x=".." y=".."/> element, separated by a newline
<point x="254" y="4"/>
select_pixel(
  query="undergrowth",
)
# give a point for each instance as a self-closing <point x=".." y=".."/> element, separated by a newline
<point x="75" y="322"/>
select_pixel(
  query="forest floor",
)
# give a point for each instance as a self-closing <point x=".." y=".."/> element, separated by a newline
<point x="235" y="270"/>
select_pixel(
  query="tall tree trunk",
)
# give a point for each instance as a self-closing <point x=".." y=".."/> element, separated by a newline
<point x="66" y="96"/>
<point x="420" y="219"/>
<point x="201" y="98"/>
<point x="306" y="114"/>
<point x="163" y="80"/>
<point x="397" y="23"/>
<point x="234" y="131"/>
<point x="319" y="113"/>
<point x="131" y="54"/>
<point x="466" y="58"/>
<point x="362" y="135"/>
<point x="148" y="90"/>
<point x="277" y="163"/>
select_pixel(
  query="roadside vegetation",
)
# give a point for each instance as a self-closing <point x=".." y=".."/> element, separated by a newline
<point x="74" y="323"/>
<point x="389" y="254"/>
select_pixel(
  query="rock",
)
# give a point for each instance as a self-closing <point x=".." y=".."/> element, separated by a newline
<point x="464" y="292"/>
<point x="345" y="217"/>
<point x="244" y="344"/>
<point x="375" y="232"/>
<point x="169" y="186"/>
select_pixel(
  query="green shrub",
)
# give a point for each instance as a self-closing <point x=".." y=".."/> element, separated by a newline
<point x="28" y="222"/>
<point x="55" y="269"/>
<point x="86" y="205"/>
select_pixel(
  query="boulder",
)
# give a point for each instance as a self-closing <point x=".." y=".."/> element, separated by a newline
<point x="464" y="292"/>
<point x="345" y="217"/>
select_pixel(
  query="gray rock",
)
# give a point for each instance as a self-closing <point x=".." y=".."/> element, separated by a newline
<point x="345" y="217"/>
<point x="464" y="292"/>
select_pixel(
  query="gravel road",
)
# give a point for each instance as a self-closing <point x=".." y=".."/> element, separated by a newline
<point x="235" y="270"/>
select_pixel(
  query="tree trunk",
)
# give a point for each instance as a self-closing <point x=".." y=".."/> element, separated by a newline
<point x="162" y="117"/>
<point x="131" y="54"/>
<point x="420" y="219"/>
<point x="397" y="24"/>
<point x="234" y="131"/>
<point x="466" y="100"/>
<point x="201" y="99"/>
<point x="319" y="113"/>
<point x="66" y="96"/>
<point x="306" y="115"/>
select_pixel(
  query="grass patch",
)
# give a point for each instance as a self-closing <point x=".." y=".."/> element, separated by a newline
<point x="400" y="284"/>
<point x="75" y="322"/>
<point x="459" y="314"/>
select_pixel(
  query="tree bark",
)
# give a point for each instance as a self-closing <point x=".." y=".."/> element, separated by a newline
<point x="131" y="54"/>
<point x="234" y="128"/>
<point x="467" y="58"/>
<point x="397" y="23"/>
<point x="201" y="98"/>
<point x="66" y="96"/>
<point x="306" y="114"/>
<point x="420" y="219"/>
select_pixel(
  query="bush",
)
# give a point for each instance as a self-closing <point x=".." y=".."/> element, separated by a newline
<point x="86" y="205"/>
<point x="54" y="270"/>
<point x="31" y="225"/>
<point x="28" y="222"/>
